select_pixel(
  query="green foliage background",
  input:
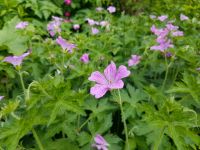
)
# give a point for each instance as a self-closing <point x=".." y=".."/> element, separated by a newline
<point x="56" y="107"/>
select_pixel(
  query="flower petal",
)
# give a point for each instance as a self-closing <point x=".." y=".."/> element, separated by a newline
<point x="100" y="140"/>
<point x="110" y="71"/>
<point x="122" y="72"/>
<point x="98" y="78"/>
<point x="98" y="90"/>
<point x="117" y="85"/>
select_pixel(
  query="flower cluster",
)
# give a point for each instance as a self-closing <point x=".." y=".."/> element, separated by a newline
<point x="54" y="26"/>
<point x="92" y="23"/>
<point x="163" y="36"/>
<point x="162" y="18"/>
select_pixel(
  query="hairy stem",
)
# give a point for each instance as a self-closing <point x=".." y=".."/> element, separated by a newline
<point x="123" y="120"/>
<point x="37" y="139"/>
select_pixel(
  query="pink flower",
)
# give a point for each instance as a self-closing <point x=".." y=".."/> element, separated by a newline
<point x="99" y="9"/>
<point x="100" y="143"/>
<point x="1" y="97"/>
<point x="163" y="46"/>
<point x="162" y="18"/>
<point x="104" y="23"/>
<point x="85" y="58"/>
<point x="95" y="31"/>
<point x="21" y="25"/>
<point x="183" y="17"/>
<point x="152" y="16"/>
<point x="111" y="79"/>
<point x="135" y="59"/>
<point x="177" y="33"/>
<point x="65" y="45"/>
<point x="91" y="22"/>
<point x="16" y="60"/>
<point x="76" y="26"/>
<point x="168" y="54"/>
<point x="54" y="26"/>
<point x="111" y="9"/>
<point x="68" y="2"/>
<point x="198" y="69"/>
<point x="171" y="27"/>
<point x="67" y="14"/>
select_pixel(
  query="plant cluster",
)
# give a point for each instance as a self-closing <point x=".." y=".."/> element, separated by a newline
<point x="87" y="75"/>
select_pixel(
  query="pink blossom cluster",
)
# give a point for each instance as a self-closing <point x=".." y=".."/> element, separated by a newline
<point x="94" y="23"/>
<point x="54" y="26"/>
<point x="163" y="36"/>
<point x="162" y="18"/>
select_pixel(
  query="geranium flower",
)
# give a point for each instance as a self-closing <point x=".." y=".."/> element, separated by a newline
<point x="95" y="31"/>
<point x="99" y="9"/>
<point x="91" y="22"/>
<point x="111" y="9"/>
<point x="177" y="33"/>
<point x="76" y="26"/>
<point x="152" y="16"/>
<point x="16" y="60"/>
<point x="100" y="143"/>
<point x="67" y="14"/>
<point x="85" y="58"/>
<point x="111" y="79"/>
<point x="171" y="27"/>
<point x="183" y="17"/>
<point x="68" y="2"/>
<point x="104" y="23"/>
<point x="135" y="59"/>
<point x="21" y="25"/>
<point x="198" y="69"/>
<point x="162" y="18"/>
<point x="65" y="45"/>
<point x="54" y="26"/>
<point x="168" y="54"/>
<point x="1" y="97"/>
<point x="163" y="46"/>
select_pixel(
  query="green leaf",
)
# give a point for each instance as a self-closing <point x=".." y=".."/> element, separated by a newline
<point x="12" y="38"/>
<point x="61" y="144"/>
<point x="171" y="120"/>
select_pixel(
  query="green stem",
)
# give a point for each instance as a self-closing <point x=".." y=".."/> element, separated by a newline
<point x="123" y="120"/>
<point x="22" y="82"/>
<point x="166" y="73"/>
<point x="78" y="121"/>
<point x="37" y="139"/>
<point x="84" y="123"/>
